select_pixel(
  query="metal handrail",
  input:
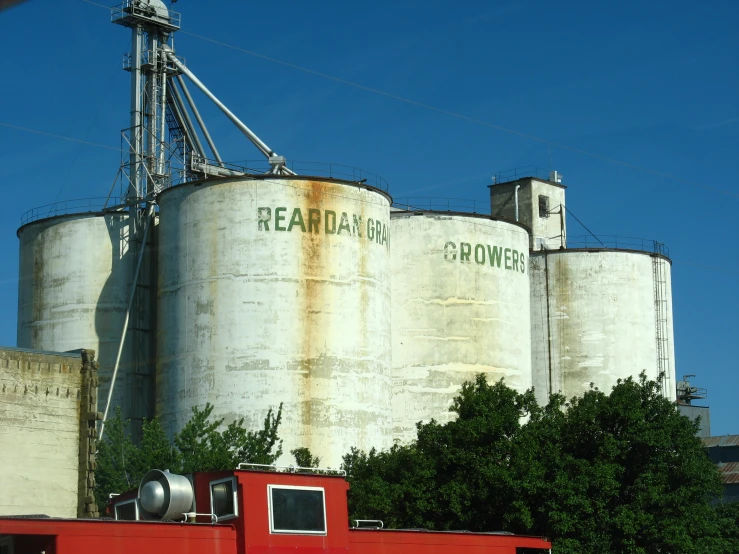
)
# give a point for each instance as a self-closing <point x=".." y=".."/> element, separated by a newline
<point x="520" y="173"/>
<point x="293" y="469"/>
<point x="193" y="515"/>
<point x="378" y="523"/>
<point x="618" y="242"/>
<point x="68" y="207"/>
<point x="313" y="169"/>
<point x="439" y="204"/>
<point x="131" y="8"/>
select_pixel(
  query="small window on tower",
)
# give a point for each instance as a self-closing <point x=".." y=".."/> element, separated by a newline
<point x="543" y="206"/>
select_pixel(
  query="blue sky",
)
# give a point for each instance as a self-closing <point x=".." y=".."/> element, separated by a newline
<point x="649" y="83"/>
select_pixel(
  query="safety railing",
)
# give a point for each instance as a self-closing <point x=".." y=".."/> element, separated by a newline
<point x="618" y="243"/>
<point x="437" y="204"/>
<point x="68" y="207"/>
<point x="131" y="11"/>
<point x="310" y="169"/>
<point x="292" y="469"/>
<point x="521" y="173"/>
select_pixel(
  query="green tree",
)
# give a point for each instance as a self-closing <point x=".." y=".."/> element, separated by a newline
<point x="304" y="457"/>
<point x="115" y="457"/>
<point x="620" y="472"/>
<point x="625" y="473"/>
<point x="727" y="530"/>
<point x="155" y="452"/>
<point x="203" y="448"/>
<point x="199" y="446"/>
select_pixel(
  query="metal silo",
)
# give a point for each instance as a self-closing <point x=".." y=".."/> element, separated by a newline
<point x="599" y="315"/>
<point x="74" y="281"/>
<point x="276" y="289"/>
<point x="460" y="307"/>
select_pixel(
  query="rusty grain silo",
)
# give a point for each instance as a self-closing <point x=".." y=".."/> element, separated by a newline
<point x="460" y="292"/>
<point x="276" y="290"/>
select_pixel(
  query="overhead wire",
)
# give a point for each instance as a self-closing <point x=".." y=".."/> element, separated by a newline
<point x="54" y="135"/>
<point x="89" y="130"/>
<point x="463" y="117"/>
<point x="457" y="115"/>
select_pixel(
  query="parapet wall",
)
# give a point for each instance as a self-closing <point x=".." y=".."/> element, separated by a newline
<point x="47" y="419"/>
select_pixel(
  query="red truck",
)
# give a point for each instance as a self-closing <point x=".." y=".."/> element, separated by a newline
<point x="241" y="512"/>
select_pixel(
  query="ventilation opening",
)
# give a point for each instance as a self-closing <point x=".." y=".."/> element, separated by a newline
<point x="543" y="206"/>
<point x="127" y="511"/>
<point x="223" y="500"/>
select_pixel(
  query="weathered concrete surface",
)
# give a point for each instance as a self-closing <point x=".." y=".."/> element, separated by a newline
<point x="547" y="230"/>
<point x="277" y="290"/>
<point x="455" y="312"/>
<point x="40" y="405"/>
<point x="593" y="320"/>
<point x="74" y="282"/>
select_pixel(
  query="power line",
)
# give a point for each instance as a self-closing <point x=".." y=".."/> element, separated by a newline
<point x="53" y="135"/>
<point x="70" y="168"/>
<point x="463" y="117"/>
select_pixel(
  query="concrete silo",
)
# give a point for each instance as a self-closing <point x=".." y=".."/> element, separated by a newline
<point x="599" y="315"/>
<point x="276" y="289"/>
<point x="74" y="286"/>
<point x="460" y="307"/>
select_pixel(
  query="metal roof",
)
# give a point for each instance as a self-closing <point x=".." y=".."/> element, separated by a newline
<point x="729" y="472"/>
<point x="724" y="440"/>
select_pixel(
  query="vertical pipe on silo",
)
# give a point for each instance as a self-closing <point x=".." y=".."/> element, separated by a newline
<point x="149" y="213"/>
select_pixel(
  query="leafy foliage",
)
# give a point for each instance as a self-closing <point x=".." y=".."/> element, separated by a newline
<point x="203" y="448"/>
<point x="199" y="446"/>
<point x="622" y="472"/>
<point x="304" y="458"/>
<point x="115" y="455"/>
<point x="727" y="522"/>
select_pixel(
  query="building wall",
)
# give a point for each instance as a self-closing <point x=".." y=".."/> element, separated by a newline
<point x="547" y="230"/>
<point x="45" y="401"/>
<point x="701" y="413"/>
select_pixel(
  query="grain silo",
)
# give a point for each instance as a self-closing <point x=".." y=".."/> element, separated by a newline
<point x="599" y="315"/>
<point x="276" y="290"/>
<point x="74" y="285"/>
<point x="460" y="307"/>
<point x="601" y="307"/>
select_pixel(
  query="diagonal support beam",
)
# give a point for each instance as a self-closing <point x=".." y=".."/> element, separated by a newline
<point x="277" y="162"/>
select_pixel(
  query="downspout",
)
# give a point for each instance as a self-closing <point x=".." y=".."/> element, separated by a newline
<point x="516" y="199"/>
<point x="562" y="237"/>
<point x="549" y="324"/>
<point x="147" y="224"/>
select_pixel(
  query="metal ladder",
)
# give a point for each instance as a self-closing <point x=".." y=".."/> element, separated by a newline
<point x="660" y="320"/>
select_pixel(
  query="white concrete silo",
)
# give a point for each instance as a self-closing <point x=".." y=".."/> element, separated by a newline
<point x="599" y="315"/>
<point x="276" y="290"/>
<point x="74" y="281"/>
<point x="460" y="307"/>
